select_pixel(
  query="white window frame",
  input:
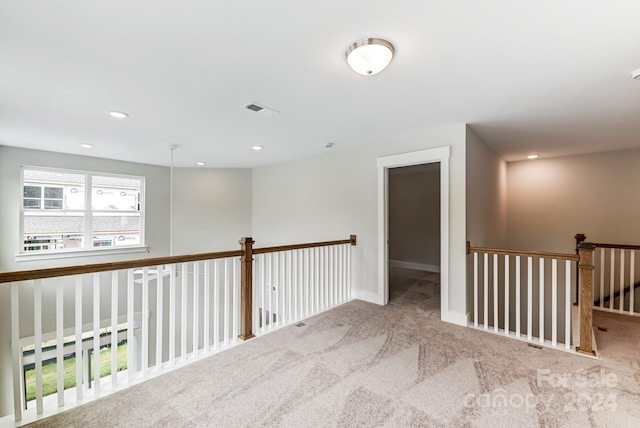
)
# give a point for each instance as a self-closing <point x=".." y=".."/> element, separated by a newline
<point x="88" y="211"/>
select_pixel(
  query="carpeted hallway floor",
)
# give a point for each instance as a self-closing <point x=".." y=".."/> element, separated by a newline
<point x="363" y="365"/>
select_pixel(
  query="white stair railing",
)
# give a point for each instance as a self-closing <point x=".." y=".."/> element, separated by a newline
<point x="617" y="280"/>
<point x="291" y="285"/>
<point x="168" y="311"/>
<point x="110" y="306"/>
<point x="524" y="295"/>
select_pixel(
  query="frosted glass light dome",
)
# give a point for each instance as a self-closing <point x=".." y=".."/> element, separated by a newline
<point x="369" y="56"/>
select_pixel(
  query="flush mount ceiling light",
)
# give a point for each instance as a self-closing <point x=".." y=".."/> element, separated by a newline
<point x="369" y="56"/>
<point x="534" y="156"/>
<point x="86" y="146"/>
<point x="256" y="148"/>
<point x="118" y="114"/>
<point x="200" y="163"/>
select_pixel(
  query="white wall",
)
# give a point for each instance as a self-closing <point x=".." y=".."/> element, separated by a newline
<point x="414" y="215"/>
<point x="486" y="194"/>
<point x="334" y="195"/>
<point x="212" y="209"/>
<point x="550" y="200"/>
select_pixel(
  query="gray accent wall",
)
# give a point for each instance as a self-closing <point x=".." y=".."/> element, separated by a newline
<point x="414" y="215"/>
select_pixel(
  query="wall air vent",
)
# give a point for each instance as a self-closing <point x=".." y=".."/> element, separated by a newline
<point x="258" y="108"/>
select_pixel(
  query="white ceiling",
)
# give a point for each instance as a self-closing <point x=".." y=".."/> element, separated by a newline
<point x="530" y="76"/>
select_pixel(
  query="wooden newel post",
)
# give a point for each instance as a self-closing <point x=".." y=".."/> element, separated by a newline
<point x="246" y="289"/>
<point x="586" y="267"/>
<point x="580" y="238"/>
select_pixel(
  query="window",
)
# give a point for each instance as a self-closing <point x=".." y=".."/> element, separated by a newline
<point x="67" y="210"/>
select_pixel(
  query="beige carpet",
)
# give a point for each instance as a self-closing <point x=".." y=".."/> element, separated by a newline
<point x="362" y="365"/>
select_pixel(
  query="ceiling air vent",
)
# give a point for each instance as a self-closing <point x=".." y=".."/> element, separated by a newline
<point x="267" y="111"/>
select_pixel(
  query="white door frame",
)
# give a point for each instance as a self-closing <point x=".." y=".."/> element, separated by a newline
<point x="440" y="154"/>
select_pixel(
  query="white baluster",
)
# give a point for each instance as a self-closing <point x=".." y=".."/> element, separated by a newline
<point x="541" y="301"/>
<point x="306" y="268"/>
<point x="96" y="333"/>
<point x="632" y="281"/>
<point x="159" y="315"/>
<point x="172" y="314"/>
<point x="60" y="340"/>
<point x="331" y="266"/>
<point x="554" y="302"/>
<point x="207" y="306"/>
<point x="602" y="266"/>
<point x="78" y="328"/>
<point x="236" y="303"/>
<point x="184" y="281"/>
<point x="529" y="298"/>
<point x="621" y="299"/>
<point x="486" y="291"/>
<point x="348" y="273"/>
<point x="272" y="289"/>
<point x="280" y="290"/>
<point x="506" y="294"/>
<point x="518" y="302"/>
<point x="184" y="291"/>
<point x="567" y="305"/>
<point x="316" y="277"/>
<point x="288" y="285"/>
<point x="114" y="330"/>
<point x="295" y="285"/>
<point x="196" y="309"/>
<point x="612" y="283"/>
<point x="37" y="326"/>
<point x="475" y="289"/>
<point x="256" y="294"/>
<point x="263" y="288"/>
<point x="227" y="303"/>
<point x="144" y="322"/>
<point x="216" y="304"/>
<point x="16" y="351"/>
<point x="131" y="351"/>
<point x="496" y="307"/>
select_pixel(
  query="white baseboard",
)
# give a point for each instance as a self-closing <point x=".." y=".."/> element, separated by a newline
<point x="454" y="318"/>
<point x="367" y="296"/>
<point x="415" y="266"/>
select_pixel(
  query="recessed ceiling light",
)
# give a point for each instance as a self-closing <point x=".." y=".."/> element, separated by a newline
<point x="86" y="146"/>
<point x="256" y="148"/>
<point x="369" y="56"/>
<point x="328" y="145"/>
<point x="119" y="114"/>
<point x="533" y="156"/>
<point x="636" y="74"/>
<point x="200" y="163"/>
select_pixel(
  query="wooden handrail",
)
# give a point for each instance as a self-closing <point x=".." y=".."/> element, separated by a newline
<point x="26" y="275"/>
<point x="351" y="240"/>
<point x="580" y="237"/>
<point x="544" y="255"/>
<point x="621" y="246"/>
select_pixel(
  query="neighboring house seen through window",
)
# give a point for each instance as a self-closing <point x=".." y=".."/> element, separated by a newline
<point x="75" y="210"/>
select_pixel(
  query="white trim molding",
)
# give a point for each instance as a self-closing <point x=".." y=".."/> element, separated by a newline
<point x="440" y="154"/>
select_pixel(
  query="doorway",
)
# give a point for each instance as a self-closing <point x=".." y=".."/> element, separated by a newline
<point x="385" y="164"/>
<point x="414" y="234"/>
